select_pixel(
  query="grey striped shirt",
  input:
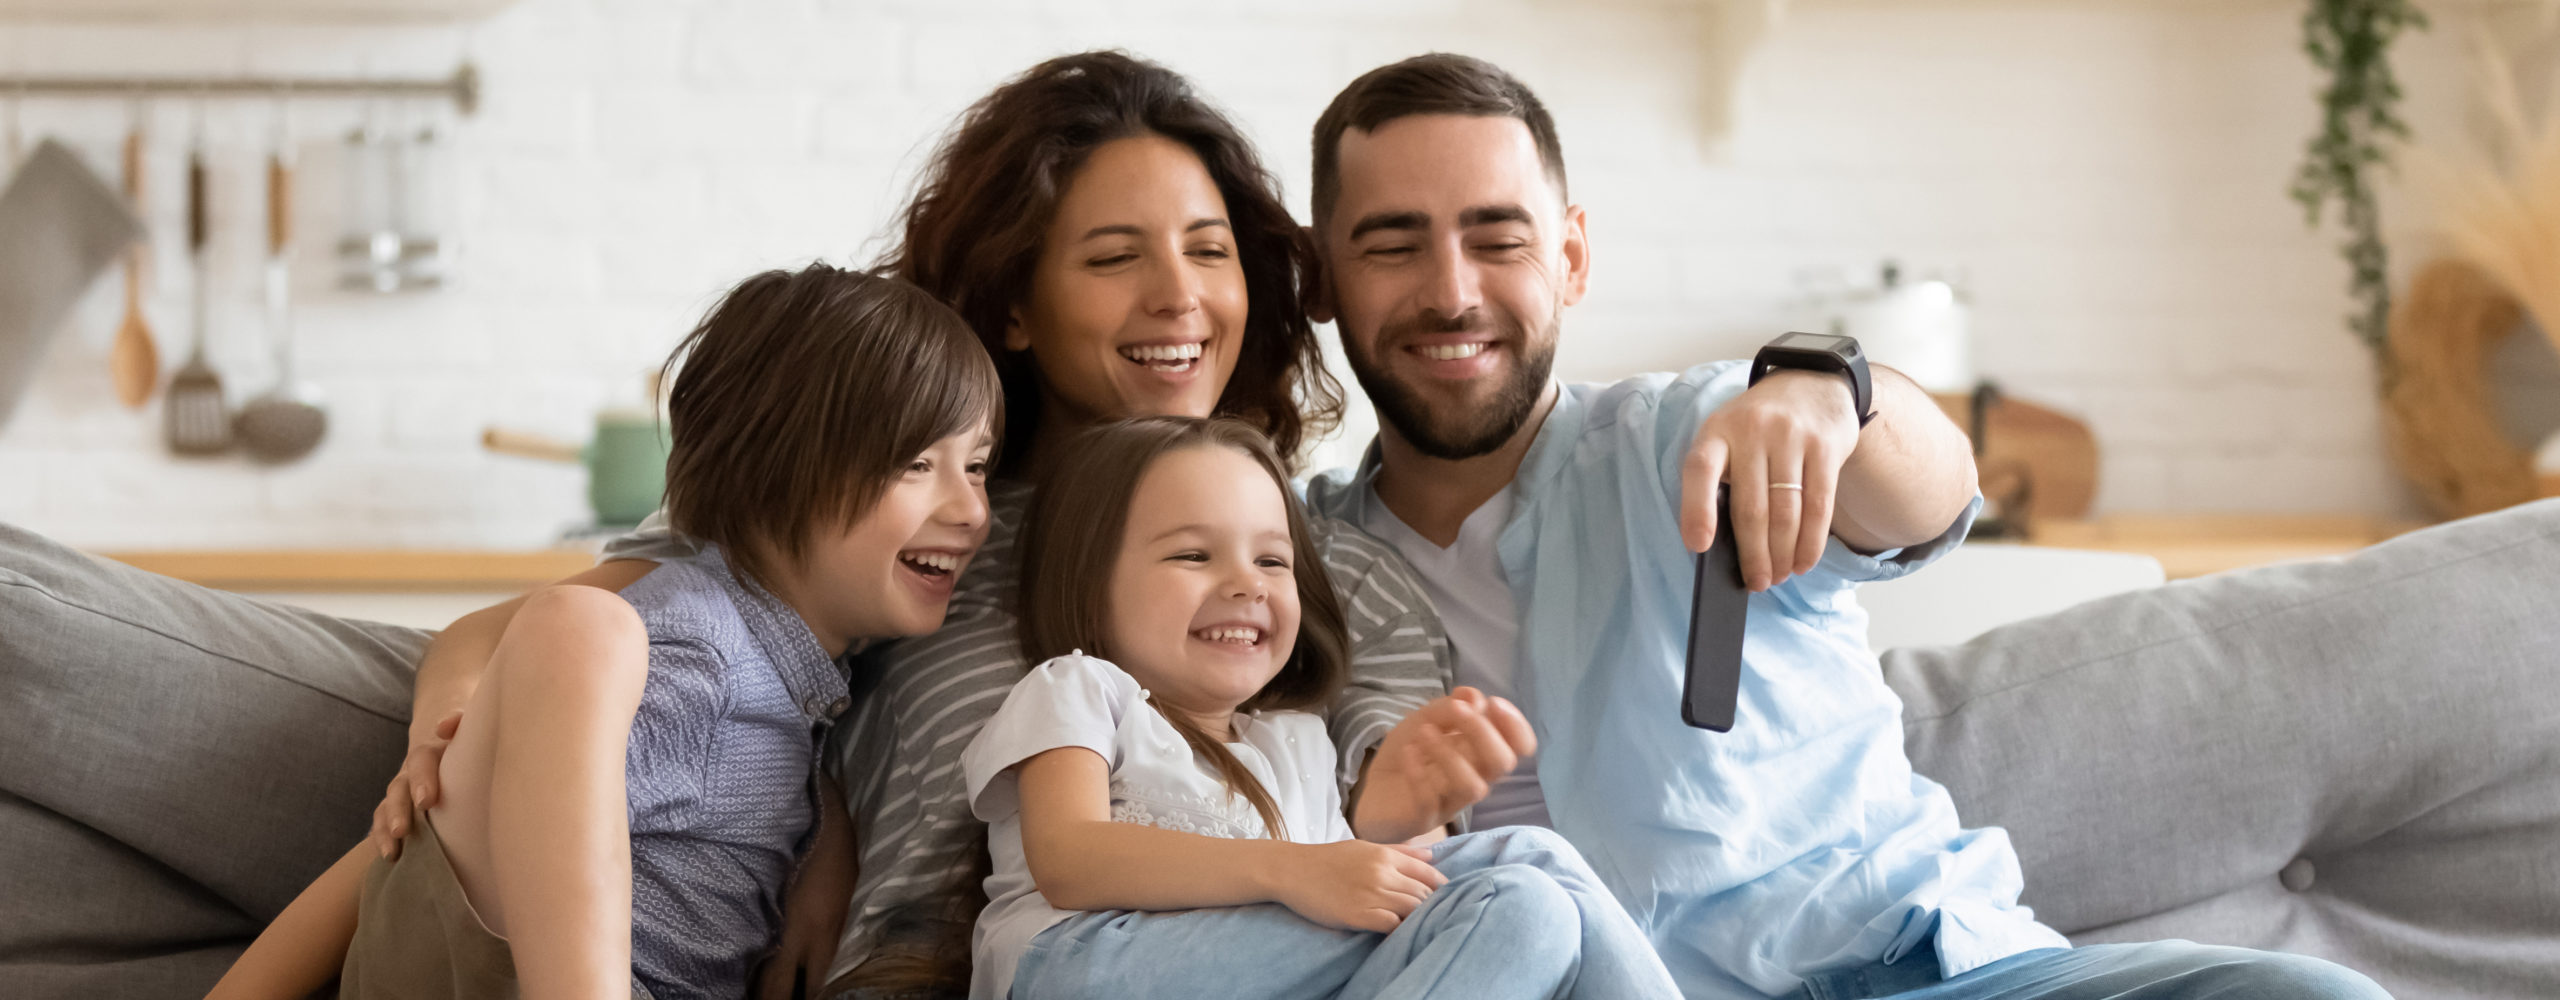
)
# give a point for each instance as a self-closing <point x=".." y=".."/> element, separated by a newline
<point x="898" y="752"/>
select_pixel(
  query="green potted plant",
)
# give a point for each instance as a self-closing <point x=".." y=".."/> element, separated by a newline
<point x="2351" y="41"/>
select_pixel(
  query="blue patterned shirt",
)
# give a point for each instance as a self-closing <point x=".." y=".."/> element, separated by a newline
<point x="722" y="757"/>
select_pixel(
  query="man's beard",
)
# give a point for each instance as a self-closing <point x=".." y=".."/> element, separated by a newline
<point x="1476" y="430"/>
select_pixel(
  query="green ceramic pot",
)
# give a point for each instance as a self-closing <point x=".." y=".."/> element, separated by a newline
<point x="626" y="467"/>
<point x="626" y="463"/>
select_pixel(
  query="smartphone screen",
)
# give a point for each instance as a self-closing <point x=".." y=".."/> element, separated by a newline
<point x="1716" y="615"/>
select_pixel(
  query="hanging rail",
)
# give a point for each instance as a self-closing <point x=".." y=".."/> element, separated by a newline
<point x="462" y="88"/>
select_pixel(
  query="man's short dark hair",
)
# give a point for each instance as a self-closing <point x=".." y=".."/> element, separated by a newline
<point x="1439" y="83"/>
<point x="802" y="397"/>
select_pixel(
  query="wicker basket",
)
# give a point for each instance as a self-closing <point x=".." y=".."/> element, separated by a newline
<point x="2442" y="424"/>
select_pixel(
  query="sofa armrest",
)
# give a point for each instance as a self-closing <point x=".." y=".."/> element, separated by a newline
<point x="216" y="751"/>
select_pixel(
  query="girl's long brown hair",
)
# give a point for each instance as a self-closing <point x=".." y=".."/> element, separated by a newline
<point x="974" y="230"/>
<point x="1072" y="540"/>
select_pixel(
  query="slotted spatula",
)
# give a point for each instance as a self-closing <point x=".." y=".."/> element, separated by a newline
<point x="199" y="421"/>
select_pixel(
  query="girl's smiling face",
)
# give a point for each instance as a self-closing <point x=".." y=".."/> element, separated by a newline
<point x="1203" y="597"/>
<point x="1137" y="300"/>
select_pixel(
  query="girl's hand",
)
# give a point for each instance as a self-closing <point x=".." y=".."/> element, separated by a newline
<point x="414" y="788"/>
<point x="1356" y="885"/>
<point x="1439" y="760"/>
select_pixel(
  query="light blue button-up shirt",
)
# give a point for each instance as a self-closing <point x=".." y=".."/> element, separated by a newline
<point x="1799" y="842"/>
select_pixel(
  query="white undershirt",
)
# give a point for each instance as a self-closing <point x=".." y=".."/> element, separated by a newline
<point x="1467" y="585"/>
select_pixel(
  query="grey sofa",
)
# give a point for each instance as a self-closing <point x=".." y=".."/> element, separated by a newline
<point x="2358" y="760"/>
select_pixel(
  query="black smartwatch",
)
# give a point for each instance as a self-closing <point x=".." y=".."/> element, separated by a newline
<point x="1818" y="352"/>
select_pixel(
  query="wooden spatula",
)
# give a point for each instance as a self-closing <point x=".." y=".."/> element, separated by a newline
<point x="135" y="360"/>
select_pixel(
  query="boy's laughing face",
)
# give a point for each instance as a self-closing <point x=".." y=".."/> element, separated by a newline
<point x="892" y="571"/>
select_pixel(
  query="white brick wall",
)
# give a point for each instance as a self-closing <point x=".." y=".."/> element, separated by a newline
<point x="2109" y="173"/>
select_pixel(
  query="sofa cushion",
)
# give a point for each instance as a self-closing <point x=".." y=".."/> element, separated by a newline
<point x="179" y="748"/>
<point x="2357" y="759"/>
<point x="76" y="915"/>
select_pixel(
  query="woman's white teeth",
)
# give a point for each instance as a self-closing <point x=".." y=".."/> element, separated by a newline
<point x="1171" y="356"/>
<point x="1451" y="352"/>
<point x="939" y="562"/>
<point x="1243" y="635"/>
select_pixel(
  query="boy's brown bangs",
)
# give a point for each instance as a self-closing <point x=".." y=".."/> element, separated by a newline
<point x="802" y="396"/>
<point x="954" y="390"/>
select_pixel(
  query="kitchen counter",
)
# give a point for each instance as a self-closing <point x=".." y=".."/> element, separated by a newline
<point x="2192" y="545"/>
<point x="418" y="588"/>
<point x="361" y="570"/>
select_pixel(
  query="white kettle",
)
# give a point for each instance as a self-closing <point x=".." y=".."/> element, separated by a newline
<point x="1922" y="329"/>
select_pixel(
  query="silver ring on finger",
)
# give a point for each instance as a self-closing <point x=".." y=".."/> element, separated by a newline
<point x="1794" y="487"/>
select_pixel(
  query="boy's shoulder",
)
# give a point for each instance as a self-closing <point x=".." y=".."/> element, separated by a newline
<point x="689" y="599"/>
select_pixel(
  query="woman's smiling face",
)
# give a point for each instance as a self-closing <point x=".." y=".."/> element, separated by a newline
<point x="1137" y="301"/>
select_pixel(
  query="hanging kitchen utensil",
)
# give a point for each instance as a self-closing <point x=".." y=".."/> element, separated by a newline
<point x="60" y="227"/>
<point x="420" y="208"/>
<point x="199" y="421"/>
<point x="395" y="207"/>
<point x="369" y="248"/>
<point x="285" y="422"/>
<point x="134" y="361"/>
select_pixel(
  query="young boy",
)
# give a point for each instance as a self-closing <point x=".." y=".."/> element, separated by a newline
<point x="634" y="779"/>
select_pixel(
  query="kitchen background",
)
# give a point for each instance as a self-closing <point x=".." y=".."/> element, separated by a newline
<point x="2105" y="178"/>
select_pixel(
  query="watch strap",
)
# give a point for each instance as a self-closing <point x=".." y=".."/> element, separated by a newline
<point x="1860" y="396"/>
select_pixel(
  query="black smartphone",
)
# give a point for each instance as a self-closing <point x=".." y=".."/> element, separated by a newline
<point x="1717" y="612"/>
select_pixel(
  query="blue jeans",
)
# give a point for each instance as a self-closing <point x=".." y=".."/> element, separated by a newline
<point x="1522" y="918"/>
<point x="2159" y="970"/>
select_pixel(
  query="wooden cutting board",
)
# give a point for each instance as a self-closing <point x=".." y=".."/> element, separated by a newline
<point x="2036" y="463"/>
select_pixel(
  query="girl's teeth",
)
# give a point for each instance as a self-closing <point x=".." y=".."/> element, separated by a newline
<point x="1247" y="636"/>
<point x="1451" y="352"/>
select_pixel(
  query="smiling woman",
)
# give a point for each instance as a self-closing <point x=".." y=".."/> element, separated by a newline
<point x="1120" y="250"/>
<point x="1137" y="301"/>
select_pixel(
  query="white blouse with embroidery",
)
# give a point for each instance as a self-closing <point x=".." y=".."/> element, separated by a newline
<point x="1080" y="701"/>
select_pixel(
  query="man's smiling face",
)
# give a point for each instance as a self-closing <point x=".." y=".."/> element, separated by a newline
<point x="1451" y="255"/>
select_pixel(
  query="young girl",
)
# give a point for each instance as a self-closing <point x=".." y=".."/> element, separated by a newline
<point x="633" y="781"/>
<point x="1158" y="782"/>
